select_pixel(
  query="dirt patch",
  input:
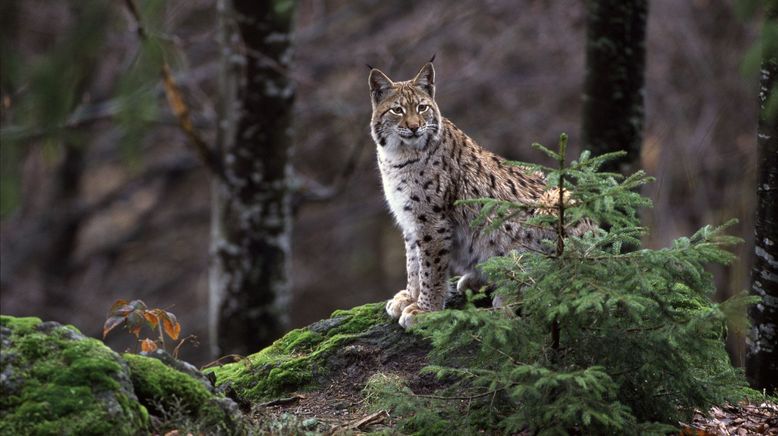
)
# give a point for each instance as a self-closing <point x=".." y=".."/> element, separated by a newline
<point x="338" y="406"/>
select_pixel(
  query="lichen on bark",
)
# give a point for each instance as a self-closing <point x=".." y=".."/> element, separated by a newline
<point x="251" y="220"/>
<point x="762" y="351"/>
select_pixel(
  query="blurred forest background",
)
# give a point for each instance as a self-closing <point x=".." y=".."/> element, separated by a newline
<point x="103" y="199"/>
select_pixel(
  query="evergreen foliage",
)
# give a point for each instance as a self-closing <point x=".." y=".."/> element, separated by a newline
<point x="591" y="337"/>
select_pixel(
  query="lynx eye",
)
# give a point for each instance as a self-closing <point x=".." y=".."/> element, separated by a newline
<point x="397" y="110"/>
<point x="422" y="108"/>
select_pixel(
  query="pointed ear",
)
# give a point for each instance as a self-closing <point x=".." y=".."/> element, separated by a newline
<point x="379" y="84"/>
<point x="426" y="79"/>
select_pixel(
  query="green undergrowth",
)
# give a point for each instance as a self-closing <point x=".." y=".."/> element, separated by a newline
<point x="298" y="359"/>
<point x="59" y="382"/>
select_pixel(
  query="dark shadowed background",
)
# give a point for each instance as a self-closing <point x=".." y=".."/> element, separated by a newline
<point x="509" y="73"/>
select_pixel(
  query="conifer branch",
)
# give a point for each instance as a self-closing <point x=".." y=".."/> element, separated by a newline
<point x="178" y="107"/>
<point x="467" y="397"/>
<point x="497" y="350"/>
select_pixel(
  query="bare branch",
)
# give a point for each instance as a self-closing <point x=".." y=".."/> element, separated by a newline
<point x="309" y="190"/>
<point x="177" y="105"/>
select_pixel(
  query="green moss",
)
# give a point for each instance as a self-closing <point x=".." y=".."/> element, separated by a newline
<point x="19" y="325"/>
<point x="300" y="339"/>
<point x="64" y="384"/>
<point x="164" y="389"/>
<point x="359" y="318"/>
<point x="294" y="361"/>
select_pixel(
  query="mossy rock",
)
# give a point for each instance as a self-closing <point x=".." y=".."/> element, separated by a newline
<point x="182" y="398"/>
<point x="55" y="381"/>
<point x="308" y="357"/>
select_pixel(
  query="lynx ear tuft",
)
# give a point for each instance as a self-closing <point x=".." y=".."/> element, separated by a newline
<point x="425" y="79"/>
<point x="379" y="84"/>
<point x="432" y="59"/>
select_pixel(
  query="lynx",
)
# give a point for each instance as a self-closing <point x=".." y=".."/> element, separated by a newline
<point x="426" y="165"/>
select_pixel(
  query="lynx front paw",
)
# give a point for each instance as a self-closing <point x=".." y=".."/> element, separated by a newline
<point x="398" y="303"/>
<point x="408" y="317"/>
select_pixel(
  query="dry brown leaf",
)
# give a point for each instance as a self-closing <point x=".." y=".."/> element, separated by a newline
<point x="147" y="345"/>
<point x="117" y="305"/>
<point x="172" y="327"/>
<point x="152" y="319"/>
<point x="740" y="419"/>
<point x="111" y="323"/>
<point x="175" y="99"/>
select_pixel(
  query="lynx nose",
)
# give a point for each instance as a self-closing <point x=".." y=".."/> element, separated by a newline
<point x="414" y="128"/>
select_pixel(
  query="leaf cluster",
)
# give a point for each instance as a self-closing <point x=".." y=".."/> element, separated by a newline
<point x="135" y="314"/>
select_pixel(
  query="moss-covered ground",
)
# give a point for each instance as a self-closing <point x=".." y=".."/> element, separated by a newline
<point x="297" y="360"/>
<point x="61" y="383"/>
<point x="168" y="392"/>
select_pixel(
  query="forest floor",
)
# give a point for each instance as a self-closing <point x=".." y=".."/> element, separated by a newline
<point x="329" y="377"/>
<point x="340" y="406"/>
<point x="741" y="420"/>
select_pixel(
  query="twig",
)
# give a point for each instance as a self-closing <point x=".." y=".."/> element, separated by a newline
<point x="373" y="418"/>
<point x="370" y="419"/>
<point x="178" y="106"/>
<point x="281" y="401"/>
<point x="310" y="190"/>
<point x="469" y="397"/>
<point x="190" y="338"/>
<point x="136" y="17"/>
<point x="234" y="357"/>
<point x="181" y="111"/>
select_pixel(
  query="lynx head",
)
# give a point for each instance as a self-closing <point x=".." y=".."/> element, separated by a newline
<point x="404" y="113"/>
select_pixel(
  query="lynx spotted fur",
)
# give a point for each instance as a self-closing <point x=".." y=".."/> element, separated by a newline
<point x="426" y="165"/>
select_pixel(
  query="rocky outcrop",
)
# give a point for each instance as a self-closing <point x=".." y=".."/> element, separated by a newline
<point x="347" y="348"/>
<point x="56" y="381"/>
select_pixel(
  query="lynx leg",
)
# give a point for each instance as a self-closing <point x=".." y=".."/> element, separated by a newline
<point x="408" y="317"/>
<point x="427" y="302"/>
<point x="398" y="303"/>
<point x="404" y="298"/>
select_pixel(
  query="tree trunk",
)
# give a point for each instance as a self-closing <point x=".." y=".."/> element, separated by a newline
<point x="762" y="354"/>
<point x="251" y="222"/>
<point x="613" y="88"/>
<point x="63" y="230"/>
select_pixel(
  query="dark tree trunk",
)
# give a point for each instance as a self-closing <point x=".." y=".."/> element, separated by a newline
<point x="613" y="88"/>
<point x="63" y="230"/>
<point x="252" y="215"/>
<point x="762" y="354"/>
